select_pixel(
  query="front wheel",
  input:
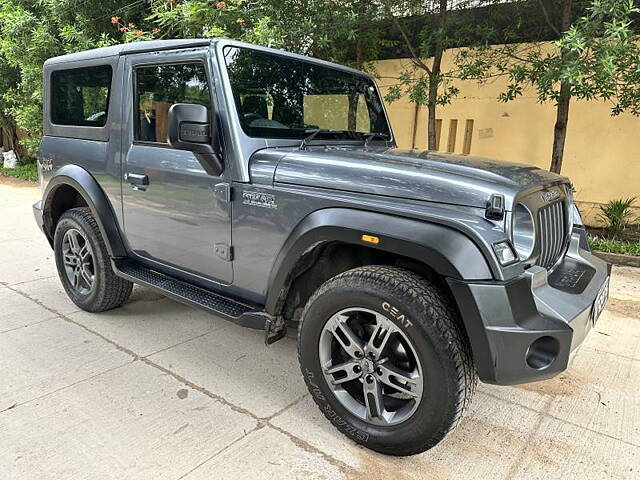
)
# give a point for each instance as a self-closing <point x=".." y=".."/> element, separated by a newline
<point x="385" y="359"/>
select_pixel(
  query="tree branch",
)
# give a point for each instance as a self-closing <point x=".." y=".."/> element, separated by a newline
<point x="417" y="61"/>
<point x="548" y="19"/>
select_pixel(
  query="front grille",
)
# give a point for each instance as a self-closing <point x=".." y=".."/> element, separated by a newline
<point x="551" y="233"/>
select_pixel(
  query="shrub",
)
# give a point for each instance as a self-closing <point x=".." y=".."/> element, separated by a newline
<point x="617" y="214"/>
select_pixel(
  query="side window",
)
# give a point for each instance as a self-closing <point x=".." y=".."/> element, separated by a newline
<point x="80" y="96"/>
<point x="160" y="86"/>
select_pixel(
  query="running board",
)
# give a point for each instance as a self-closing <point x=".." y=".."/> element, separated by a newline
<point x="212" y="302"/>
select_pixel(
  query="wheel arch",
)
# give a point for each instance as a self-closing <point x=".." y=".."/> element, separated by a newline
<point x="73" y="186"/>
<point x="427" y="248"/>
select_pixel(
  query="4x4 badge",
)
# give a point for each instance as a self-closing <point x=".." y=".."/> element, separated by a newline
<point x="259" y="199"/>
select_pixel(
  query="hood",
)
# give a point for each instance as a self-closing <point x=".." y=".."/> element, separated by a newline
<point x="410" y="174"/>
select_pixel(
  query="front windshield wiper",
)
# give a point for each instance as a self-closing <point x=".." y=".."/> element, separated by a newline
<point x="370" y="136"/>
<point x="313" y="132"/>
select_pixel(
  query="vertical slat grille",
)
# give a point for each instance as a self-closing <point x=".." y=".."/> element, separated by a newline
<point x="551" y="233"/>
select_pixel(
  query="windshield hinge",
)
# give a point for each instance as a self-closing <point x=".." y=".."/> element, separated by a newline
<point x="222" y="192"/>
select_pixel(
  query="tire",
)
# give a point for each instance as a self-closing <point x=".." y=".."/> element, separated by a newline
<point x="106" y="290"/>
<point x="419" y="313"/>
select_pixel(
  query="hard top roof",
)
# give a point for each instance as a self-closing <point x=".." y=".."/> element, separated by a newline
<point x="134" y="47"/>
<point x="157" y="45"/>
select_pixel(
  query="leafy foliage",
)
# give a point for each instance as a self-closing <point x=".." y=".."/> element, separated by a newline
<point x="614" y="246"/>
<point x="595" y="57"/>
<point x="617" y="214"/>
<point x="28" y="172"/>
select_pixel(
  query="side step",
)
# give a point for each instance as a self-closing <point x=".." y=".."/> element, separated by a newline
<point x="228" y="308"/>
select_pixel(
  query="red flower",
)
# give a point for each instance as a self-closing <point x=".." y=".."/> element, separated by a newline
<point x="115" y="20"/>
<point x="138" y="33"/>
<point x="221" y="5"/>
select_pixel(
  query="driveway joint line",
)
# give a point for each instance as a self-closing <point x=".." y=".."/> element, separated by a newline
<point x="222" y="450"/>
<point x="517" y="463"/>
<point x="619" y="355"/>
<point x="33" y="280"/>
<point x="164" y="349"/>
<point x="29" y="324"/>
<point x="560" y="419"/>
<point x="60" y="389"/>
<point x="220" y="399"/>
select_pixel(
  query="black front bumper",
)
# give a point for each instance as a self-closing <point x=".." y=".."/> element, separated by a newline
<point x="525" y="329"/>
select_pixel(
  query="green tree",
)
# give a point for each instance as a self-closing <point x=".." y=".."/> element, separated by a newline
<point x="595" y="57"/>
<point x="450" y="23"/>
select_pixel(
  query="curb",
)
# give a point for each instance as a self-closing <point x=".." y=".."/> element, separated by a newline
<point x="619" y="259"/>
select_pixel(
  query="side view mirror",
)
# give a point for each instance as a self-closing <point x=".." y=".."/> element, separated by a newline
<point x="189" y="128"/>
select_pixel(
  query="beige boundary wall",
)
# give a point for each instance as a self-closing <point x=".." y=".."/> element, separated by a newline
<point x="602" y="153"/>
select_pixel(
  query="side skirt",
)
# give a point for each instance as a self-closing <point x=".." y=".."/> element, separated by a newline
<point x="243" y="314"/>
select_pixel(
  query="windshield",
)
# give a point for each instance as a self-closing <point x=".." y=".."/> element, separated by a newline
<point x="282" y="97"/>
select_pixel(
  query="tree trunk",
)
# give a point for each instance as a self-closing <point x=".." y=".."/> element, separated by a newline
<point x="434" y="76"/>
<point x="564" y="100"/>
<point x="560" y="128"/>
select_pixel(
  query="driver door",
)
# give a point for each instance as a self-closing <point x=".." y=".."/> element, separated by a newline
<point x="175" y="214"/>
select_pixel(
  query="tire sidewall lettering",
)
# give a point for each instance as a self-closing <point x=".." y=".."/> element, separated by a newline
<point x="335" y="418"/>
<point x="400" y="318"/>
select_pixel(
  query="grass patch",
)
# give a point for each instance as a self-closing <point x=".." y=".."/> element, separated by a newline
<point x="28" y="172"/>
<point x="609" y="245"/>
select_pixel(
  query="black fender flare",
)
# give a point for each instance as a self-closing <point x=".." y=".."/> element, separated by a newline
<point x="97" y="201"/>
<point x="448" y="251"/>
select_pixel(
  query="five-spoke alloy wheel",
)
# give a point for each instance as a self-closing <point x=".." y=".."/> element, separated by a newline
<point x="385" y="357"/>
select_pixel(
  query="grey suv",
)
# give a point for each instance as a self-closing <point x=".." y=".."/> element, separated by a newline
<point x="266" y="188"/>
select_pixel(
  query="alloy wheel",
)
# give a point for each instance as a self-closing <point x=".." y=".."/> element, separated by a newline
<point x="77" y="258"/>
<point x="371" y="366"/>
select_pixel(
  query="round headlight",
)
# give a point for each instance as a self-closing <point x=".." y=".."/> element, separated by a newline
<point x="523" y="231"/>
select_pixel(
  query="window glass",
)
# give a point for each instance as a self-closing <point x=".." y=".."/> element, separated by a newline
<point x="282" y="97"/>
<point x="160" y="86"/>
<point x="80" y="96"/>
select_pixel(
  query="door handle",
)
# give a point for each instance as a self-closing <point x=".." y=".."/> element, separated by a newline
<point x="137" y="179"/>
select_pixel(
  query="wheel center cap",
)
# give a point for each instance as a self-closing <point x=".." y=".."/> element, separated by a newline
<point x="368" y="366"/>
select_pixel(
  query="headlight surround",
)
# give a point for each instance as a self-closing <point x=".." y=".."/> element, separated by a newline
<point x="523" y="232"/>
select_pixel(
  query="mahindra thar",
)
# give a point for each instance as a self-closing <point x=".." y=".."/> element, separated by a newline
<point x="267" y="188"/>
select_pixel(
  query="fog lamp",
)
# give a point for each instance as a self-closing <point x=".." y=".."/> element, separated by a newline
<point x="504" y="252"/>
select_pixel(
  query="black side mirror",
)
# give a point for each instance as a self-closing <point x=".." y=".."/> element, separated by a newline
<point x="190" y="129"/>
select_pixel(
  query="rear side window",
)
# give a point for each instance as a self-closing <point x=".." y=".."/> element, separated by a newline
<point x="160" y="86"/>
<point x="80" y="96"/>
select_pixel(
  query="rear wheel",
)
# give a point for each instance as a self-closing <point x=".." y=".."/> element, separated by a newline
<point x="83" y="263"/>
<point x="385" y="359"/>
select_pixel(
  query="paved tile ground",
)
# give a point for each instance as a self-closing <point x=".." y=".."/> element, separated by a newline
<point x="157" y="390"/>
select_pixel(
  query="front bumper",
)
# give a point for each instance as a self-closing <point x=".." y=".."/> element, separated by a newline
<point x="525" y="329"/>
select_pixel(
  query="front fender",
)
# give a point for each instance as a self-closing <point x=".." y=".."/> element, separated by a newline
<point x="448" y="251"/>
<point x="101" y="208"/>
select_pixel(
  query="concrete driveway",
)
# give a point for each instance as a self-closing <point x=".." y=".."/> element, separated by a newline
<point x="157" y="390"/>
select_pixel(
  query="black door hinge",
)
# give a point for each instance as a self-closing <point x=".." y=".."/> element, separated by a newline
<point x="223" y="251"/>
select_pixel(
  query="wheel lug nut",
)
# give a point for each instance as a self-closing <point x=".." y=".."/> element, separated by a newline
<point x="357" y="368"/>
<point x="379" y="371"/>
<point x="369" y="378"/>
<point x="358" y="354"/>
